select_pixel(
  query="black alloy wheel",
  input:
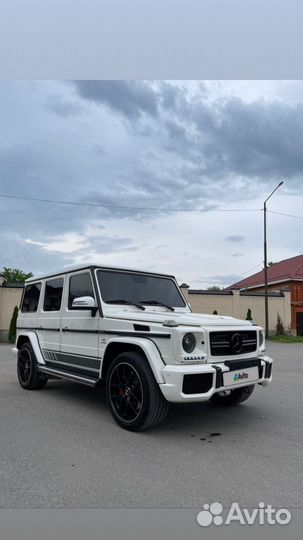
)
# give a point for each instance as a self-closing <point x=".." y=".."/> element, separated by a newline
<point x="133" y="394"/>
<point x="25" y="366"/>
<point x="29" y="376"/>
<point x="126" y="392"/>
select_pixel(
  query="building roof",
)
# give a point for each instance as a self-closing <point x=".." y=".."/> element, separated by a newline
<point x="280" y="272"/>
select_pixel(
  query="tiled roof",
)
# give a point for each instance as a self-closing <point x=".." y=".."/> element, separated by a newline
<point x="289" y="269"/>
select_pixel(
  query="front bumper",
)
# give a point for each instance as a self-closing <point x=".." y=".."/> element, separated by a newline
<point x="209" y="378"/>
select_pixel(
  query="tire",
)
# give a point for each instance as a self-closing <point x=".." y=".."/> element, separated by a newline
<point x="27" y="369"/>
<point x="234" y="398"/>
<point x="133" y="395"/>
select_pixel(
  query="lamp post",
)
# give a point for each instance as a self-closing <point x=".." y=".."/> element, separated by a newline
<point x="265" y="260"/>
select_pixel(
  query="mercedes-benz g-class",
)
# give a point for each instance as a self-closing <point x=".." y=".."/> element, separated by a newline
<point x="134" y="332"/>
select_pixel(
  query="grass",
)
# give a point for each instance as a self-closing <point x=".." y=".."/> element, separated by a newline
<point x="286" y="339"/>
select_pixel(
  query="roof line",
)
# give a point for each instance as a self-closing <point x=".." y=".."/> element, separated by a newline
<point x="93" y="267"/>
<point x="239" y="285"/>
<point x="269" y="283"/>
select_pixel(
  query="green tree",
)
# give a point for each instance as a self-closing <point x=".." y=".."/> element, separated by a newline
<point x="214" y="288"/>
<point x="248" y="315"/>
<point x="279" y="326"/>
<point x="13" y="326"/>
<point x="14" y="275"/>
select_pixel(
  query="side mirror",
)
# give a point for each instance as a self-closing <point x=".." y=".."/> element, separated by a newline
<point x="84" y="303"/>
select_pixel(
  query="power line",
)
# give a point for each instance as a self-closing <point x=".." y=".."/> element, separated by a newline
<point x="283" y="214"/>
<point x="126" y="207"/>
<point x="103" y="205"/>
<point x="253" y="268"/>
<point x="219" y="282"/>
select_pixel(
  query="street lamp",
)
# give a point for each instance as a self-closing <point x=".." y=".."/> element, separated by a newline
<point x="265" y="261"/>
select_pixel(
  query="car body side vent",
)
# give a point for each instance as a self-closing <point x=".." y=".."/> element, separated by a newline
<point x="141" y="328"/>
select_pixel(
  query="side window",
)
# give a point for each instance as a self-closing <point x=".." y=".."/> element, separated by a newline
<point x="31" y="298"/>
<point x="53" y="295"/>
<point x="80" y="285"/>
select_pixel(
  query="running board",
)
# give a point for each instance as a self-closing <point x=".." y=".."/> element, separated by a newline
<point x="88" y="380"/>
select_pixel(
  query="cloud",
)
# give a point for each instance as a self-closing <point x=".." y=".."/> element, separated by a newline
<point x="235" y="238"/>
<point x="92" y="240"/>
<point x="66" y="243"/>
<point x="147" y="145"/>
<point x="251" y="140"/>
<point x="261" y="139"/>
<point x="196" y="148"/>
<point x="131" y="98"/>
<point x="257" y="139"/>
<point x="63" y="107"/>
<point x="221" y="280"/>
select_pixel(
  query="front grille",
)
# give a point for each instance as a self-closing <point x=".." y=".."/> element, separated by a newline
<point x="232" y="343"/>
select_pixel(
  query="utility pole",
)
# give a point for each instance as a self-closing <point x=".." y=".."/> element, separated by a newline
<point x="265" y="260"/>
<point x="265" y="272"/>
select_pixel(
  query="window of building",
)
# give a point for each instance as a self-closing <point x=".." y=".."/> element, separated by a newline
<point x="53" y="295"/>
<point x="31" y="298"/>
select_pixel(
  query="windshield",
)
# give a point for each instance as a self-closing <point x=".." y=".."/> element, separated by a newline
<point x="137" y="288"/>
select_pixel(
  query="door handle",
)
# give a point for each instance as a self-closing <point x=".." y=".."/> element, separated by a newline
<point x="65" y="329"/>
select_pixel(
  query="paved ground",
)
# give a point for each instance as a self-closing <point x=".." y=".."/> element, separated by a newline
<point x="59" y="447"/>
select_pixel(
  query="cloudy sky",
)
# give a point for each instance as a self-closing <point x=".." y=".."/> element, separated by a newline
<point x="180" y="170"/>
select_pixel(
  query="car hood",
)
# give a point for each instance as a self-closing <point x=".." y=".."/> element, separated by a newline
<point x="180" y="318"/>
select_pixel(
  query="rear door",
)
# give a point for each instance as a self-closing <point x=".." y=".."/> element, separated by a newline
<point x="49" y="317"/>
<point x="29" y="314"/>
<point x="79" y="328"/>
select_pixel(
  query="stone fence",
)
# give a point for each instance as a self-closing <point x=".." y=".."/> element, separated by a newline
<point x="236" y="304"/>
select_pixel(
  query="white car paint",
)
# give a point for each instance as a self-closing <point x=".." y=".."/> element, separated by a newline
<point x="75" y="339"/>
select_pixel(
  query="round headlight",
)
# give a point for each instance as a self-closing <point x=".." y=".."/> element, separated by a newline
<point x="189" y="343"/>
<point x="261" y="338"/>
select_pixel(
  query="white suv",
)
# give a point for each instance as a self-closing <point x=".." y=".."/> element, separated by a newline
<point x="134" y="332"/>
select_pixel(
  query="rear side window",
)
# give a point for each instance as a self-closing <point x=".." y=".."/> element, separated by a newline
<point x="80" y="285"/>
<point x="31" y="298"/>
<point x="53" y="295"/>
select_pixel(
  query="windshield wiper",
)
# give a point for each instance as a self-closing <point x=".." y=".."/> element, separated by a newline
<point x="157" y="303"/>
<point x="123" y="301"/>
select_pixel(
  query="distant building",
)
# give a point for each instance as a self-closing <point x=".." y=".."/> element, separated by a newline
<point x="286" y="274"/>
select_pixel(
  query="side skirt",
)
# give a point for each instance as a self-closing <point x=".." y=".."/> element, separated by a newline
<point x="82" y="378"/>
